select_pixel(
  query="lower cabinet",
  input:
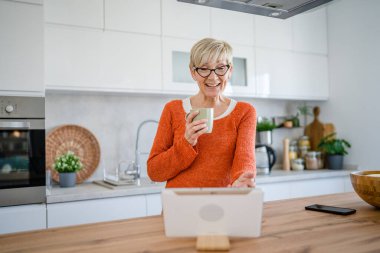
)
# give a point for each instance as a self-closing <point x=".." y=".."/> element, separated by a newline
<point x="22" y="218"/>
<point x="98" y="210"/>
<point x="305" y="188"/>
<point x="153" y="204"/>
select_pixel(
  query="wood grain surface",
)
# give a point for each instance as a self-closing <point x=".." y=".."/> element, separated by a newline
<point x="315" y="130"/>
<point x="287" y="227"/>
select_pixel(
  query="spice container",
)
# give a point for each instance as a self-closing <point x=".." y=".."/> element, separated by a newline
<point x="298" y="164"/>
<point x="313" y="160"/>
<point x="304" y="141"/>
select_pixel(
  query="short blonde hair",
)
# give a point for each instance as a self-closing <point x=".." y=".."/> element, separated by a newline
<point x="210" y="50"/>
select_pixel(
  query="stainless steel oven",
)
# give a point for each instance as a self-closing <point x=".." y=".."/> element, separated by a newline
<point x="22" y="150"/>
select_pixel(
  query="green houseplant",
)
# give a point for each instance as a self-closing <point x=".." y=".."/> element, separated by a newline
<point x="335" y="150"/>
<point x="67" y="165"/>
<point x="264" y="131"/>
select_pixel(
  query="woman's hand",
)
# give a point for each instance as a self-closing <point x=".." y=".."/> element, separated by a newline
<point x="194" y="129"/>
<point x="247" y="179"/>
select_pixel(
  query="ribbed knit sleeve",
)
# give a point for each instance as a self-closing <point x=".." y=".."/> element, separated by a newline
<point x="244" y="158"/>
<point x="170" y="153"/>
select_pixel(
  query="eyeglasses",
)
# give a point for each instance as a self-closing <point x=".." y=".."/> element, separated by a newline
<point x="219" y="71"/>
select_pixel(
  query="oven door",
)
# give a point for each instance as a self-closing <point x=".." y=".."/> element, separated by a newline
<point x="22" y="162"/>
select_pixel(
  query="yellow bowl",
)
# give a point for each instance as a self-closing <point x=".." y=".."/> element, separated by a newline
<point x="367" y="186"/>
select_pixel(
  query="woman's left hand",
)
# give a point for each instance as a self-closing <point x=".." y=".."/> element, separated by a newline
<point x="247" y="179"/>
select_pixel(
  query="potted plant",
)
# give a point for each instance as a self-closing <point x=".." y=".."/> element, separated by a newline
<point x="335" y="149"/>
<point x="264" y="129"/>
<point x="67" y="165"/>
<point x="304" y="110"/>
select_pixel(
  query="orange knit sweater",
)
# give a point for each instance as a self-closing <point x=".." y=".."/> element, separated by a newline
<point x="217" y="159"/>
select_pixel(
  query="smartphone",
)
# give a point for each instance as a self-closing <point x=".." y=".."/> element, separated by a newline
<point x="330" y="209"/>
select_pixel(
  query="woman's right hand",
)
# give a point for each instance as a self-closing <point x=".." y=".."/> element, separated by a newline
<point x="194" y="129"/>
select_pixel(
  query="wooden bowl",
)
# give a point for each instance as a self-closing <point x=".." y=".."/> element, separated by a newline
<point x="367" y="186"/>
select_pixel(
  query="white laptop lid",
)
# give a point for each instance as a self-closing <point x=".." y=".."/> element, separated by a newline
<point x="189" y="212"/>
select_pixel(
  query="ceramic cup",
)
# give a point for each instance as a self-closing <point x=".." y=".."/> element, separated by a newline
<point x="205" y="113"/>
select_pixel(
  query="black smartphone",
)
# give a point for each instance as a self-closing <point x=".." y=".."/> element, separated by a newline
<point x="330" y="209"/>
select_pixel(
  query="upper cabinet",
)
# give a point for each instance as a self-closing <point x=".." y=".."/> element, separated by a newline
<point x="273" y="33"/>
<point x="133" y="16"/>
<point x="310" y="32"/>
<point x="21" y="49"/>
<point x="87" y="13"/>
<point x="234" y="27"/>
<point x="97" y="60"/>
<point x="185" y="20"/>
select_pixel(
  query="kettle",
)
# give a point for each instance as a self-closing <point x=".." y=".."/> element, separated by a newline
<point x="265" y="159"/>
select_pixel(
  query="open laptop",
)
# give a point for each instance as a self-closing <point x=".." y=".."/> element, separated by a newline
<point x="191" y="212"/>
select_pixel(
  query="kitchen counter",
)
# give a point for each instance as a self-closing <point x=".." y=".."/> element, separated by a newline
<point x="287" y="227"/>
<point x="87" y="191"/>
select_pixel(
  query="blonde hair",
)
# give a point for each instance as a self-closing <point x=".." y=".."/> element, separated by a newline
<point x="210" y="50"/>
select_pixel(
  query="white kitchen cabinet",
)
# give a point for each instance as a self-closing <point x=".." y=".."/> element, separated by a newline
<point x="91" y="211"/>
<point x="133" y="16"/>
<point x="275" y="191"/>
<point x="87" y="13"/>
<point x="21" y="49"/>
<point x="232" y="26"/>
<point x="284" y="74"/>
<point x="273" y="33"/>
<point x="310" y="31"/>
<point x="185" y="20"/>
<point x="316" y="187"/>
<point x="87" y="59"/>
<point x="22" y="218"/>
<point x="153" y="204"/>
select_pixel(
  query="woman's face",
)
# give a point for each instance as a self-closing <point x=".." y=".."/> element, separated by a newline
<point x="212" y="85"/>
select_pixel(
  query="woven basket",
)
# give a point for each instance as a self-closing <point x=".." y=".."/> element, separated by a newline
<point x="78" y="140"/>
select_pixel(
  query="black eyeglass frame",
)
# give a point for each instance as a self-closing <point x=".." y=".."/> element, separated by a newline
<point x="211" y="70"/>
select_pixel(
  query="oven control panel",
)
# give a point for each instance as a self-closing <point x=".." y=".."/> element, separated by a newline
<point x="22" y="107"/>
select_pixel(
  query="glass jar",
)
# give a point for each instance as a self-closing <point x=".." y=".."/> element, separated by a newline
<point x="314" y="160"/>
<point x="297" y="164"/>
<point x="303" y="151"/>
<point x="293" y="152"/>
<point x="304" y="141"/>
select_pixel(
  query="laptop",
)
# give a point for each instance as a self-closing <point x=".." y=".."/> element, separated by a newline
<point x="191" y="212"/>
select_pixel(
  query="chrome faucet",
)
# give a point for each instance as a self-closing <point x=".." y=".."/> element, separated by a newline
<point x="137" y="165"/>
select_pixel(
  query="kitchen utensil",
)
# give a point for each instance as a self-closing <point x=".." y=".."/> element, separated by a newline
<point x="78" y="140"/>
<point x="315" y="130"/>
<point x="286" y="160"/>
<point x="329" y="128"/>
<point x="265" y="159"/>
<point x="367" y="185"/>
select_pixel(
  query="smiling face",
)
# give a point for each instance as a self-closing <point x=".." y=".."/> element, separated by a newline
<point x="212" y="84"/>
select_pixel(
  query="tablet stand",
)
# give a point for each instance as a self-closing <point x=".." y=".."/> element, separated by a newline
<point x="213" y="242"/>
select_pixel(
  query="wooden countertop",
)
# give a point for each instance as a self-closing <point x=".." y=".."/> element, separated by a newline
<point x="287" y="227"/>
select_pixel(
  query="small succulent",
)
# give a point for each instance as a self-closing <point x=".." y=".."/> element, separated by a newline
<point x="67" y="163"/>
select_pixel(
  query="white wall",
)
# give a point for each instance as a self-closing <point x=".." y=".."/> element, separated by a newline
<point x="354" y="68"/>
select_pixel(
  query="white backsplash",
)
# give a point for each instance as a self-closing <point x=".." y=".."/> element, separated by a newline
<point x="114" y="120"/>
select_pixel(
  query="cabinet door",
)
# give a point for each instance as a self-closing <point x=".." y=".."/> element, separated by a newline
<point x="273" y="33"/>
<point x="91" y="211"/>
<point x="316" y="187"/>
<point x="153" y="204"/>
<point x="133" y="16"/>
<point x="232" y="26"/>
<point x="275" y="191"/>
<point x="310" y="31"/>
<point x="88" y="13"/>
<point x="283" y="74"/>
<point x="21" y="48"/>
<point x="22" y="218"/>
<point x="185" y="20"/>
<point x="175" y="64"/>
<point x="93" y="60"/>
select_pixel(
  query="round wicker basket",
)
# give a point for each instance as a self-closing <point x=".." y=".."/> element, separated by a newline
<point x="78" y="140"/>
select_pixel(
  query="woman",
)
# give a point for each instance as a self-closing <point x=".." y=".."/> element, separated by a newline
<point x="183" y="154"/>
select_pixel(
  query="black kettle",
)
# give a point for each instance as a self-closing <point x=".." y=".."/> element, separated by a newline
<point x="265" y="159"/>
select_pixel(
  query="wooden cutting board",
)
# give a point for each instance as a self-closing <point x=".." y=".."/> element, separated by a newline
<point x="316" y="130"/>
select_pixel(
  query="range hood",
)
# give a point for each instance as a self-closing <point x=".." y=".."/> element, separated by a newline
<point x="271" y="8"/>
